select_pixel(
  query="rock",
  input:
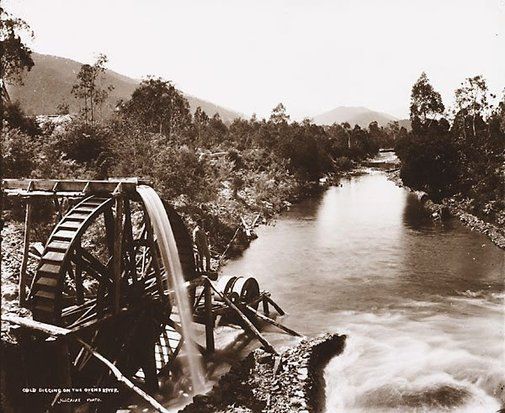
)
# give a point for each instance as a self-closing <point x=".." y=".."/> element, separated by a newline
<point x="264" y="358"/>
<point x="303" y="373"/>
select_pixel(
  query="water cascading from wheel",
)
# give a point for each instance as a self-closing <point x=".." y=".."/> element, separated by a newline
<point x="173" y="270"/>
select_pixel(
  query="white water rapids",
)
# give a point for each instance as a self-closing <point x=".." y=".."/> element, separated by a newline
<point x="173" y="270"/>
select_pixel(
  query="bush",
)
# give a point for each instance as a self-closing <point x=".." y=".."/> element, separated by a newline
<point x="86" y="143"/>
<point x="18" y="153"/>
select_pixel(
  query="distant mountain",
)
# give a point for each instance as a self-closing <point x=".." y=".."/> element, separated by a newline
<point x="50" y="82"/>
<point x="355" y="115"/>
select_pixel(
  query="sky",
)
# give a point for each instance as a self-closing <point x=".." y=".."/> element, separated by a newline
<point x="311" y="55"/>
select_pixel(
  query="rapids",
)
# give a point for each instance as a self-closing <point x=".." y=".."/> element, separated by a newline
<point x="422" y="302"/>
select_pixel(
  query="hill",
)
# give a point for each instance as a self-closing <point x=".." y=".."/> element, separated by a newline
<point x="355" y="115"/>
<point x="50" y="82"/>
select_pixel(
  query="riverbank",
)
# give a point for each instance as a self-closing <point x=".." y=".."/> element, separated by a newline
<point x="292" y="381"/>
<point x="456" y="208"/>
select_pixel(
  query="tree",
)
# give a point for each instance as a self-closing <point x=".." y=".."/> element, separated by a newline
<point x="159" y="106"/>
<point x="88" y="89"/>
<point x="15" y="56"/>
<point x="472" y="99"/>
<point x="425" y="103"/>
<point x="279" y="114"/>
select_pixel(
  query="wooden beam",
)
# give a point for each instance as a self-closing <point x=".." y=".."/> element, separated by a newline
<point x="275" y="305"/>
<point x="24" y="262"/>
<point x="37" y="326"/>
<point x="273" y="322"/>
<point x="209" y="319"/>
<point x="118" y="238"/>
<point x="122" y="378"/>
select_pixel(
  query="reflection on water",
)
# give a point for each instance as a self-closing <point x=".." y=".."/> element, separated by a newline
<point x="422" y="302"/>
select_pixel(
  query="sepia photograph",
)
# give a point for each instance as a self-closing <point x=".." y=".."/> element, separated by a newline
<point x="247" y="206"/>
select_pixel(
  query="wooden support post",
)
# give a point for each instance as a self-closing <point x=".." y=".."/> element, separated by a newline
<point x="118" y="238"/>
<point x="275" y="305"/>
<point x="273" y="322"/>
<point x="266" y="310"/>
<point x="209" y="319"/>
<point x="246" y="321"/>
<point x="24" y="262"/>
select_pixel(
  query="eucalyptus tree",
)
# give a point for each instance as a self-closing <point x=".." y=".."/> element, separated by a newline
<point x="88" y="89"/>
<point x="425" y="102"/>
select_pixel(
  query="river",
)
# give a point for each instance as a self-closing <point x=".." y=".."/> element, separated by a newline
<point x="422" y="302"/>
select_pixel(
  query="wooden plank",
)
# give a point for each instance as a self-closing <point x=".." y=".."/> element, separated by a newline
<point x="48" y="282"/>
<point x="58" y="246"/>
<point x="63" y="235"/>
<point x="70" y="224"/>
<point x="50" y="269"/>
<point x="24" y="262"/>
<point x="54" y="256"/>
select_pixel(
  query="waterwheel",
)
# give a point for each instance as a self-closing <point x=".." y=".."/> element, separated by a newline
<point x="101" y="273"/>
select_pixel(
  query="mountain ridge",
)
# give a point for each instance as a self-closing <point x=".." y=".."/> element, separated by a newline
<point x="354" y="115"/>
<point x="49" y="83"/>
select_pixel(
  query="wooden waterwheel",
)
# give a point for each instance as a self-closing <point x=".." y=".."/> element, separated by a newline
<point x="101" y="274"/>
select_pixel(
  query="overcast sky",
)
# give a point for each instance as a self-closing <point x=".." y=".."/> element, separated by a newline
<point x="312" y="55"/>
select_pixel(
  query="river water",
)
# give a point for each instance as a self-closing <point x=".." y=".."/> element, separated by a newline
<point x="422" y="302"/>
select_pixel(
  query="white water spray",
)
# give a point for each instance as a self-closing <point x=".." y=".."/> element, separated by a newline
<point x="173" y="269"/>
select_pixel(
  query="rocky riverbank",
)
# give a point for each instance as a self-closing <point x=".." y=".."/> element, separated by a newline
<point x="455" y="208"/>
<point x="262" y="382"/>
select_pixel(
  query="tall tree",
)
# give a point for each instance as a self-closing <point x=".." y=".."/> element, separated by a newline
<point x="159" y="106"/>
<point x="88" y="88"/>
<point x="425" y="103"/>
<point x="473" y="100"/>
<point x="15" y="55"/>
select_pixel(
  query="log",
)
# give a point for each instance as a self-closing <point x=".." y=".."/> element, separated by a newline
<point x="273" y="322"/>
<point x="247" y="322"/>
<point x="38" y="326"/>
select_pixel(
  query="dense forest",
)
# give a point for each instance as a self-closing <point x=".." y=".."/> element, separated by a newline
<point x="459" y="154"/>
